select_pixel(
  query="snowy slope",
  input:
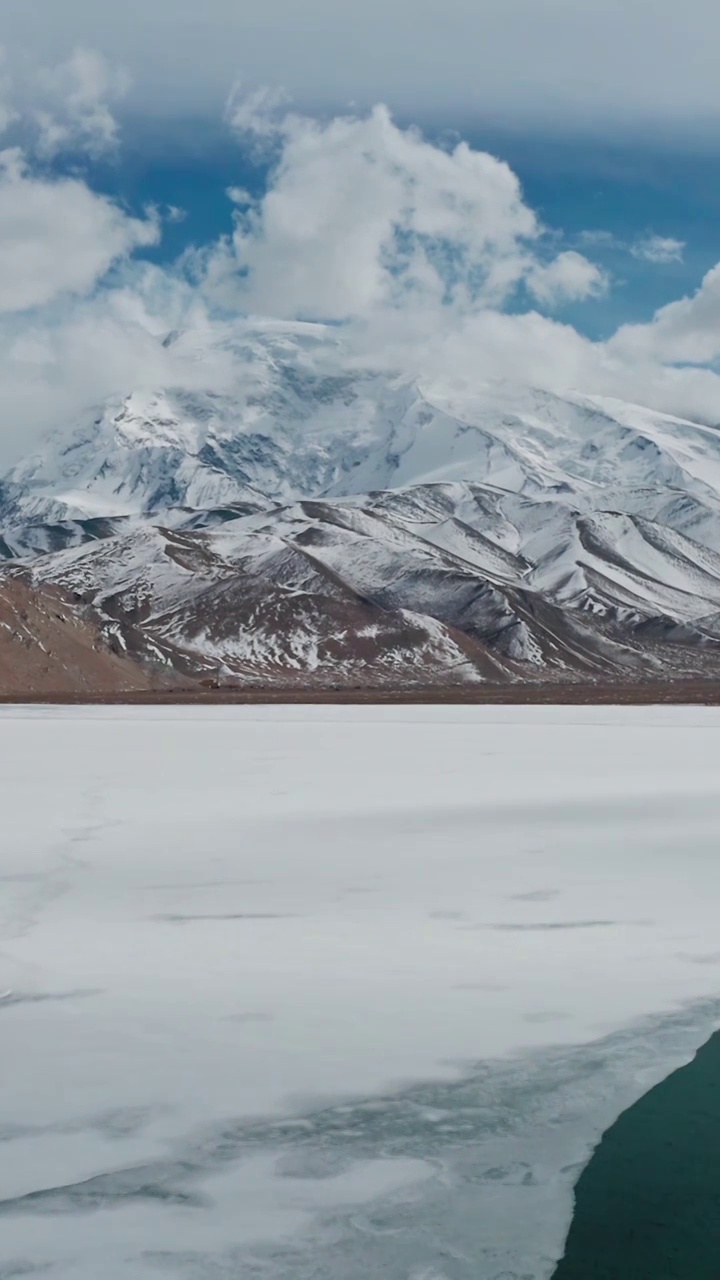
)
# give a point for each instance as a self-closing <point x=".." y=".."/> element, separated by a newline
<point x="255" y="604"/>
<point x="409" y="586"/>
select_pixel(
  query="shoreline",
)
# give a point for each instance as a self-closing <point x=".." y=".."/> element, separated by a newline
<point x="660" y="693"/>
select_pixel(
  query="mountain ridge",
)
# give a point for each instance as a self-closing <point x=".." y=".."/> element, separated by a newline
<point x="349" y="524"/>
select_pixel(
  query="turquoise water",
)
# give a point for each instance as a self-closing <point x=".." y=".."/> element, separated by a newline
<point x="647" y="1207"/>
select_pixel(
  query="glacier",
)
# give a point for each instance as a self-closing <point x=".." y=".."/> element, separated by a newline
<point x="330" y="992"/>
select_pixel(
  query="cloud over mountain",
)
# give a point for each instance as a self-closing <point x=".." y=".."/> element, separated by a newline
<point x="427" y="255"/>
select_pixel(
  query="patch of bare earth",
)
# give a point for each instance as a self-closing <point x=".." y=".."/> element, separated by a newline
<point x="678" y="693"/>
<point x="48" y="648"/>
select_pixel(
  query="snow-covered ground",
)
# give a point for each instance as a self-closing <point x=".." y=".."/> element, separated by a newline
<point x="338" y="992"/>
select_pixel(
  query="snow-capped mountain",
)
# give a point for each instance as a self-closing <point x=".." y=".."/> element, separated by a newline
<point x="299" y="420"/>
<point x="315" y="518"/>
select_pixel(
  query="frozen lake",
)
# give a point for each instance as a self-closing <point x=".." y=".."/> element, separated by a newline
<point x="338" y="993"/>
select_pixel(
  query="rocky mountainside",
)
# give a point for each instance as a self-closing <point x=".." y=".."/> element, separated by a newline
<point x="322" y="522"/>
<point x="48" y="647"/>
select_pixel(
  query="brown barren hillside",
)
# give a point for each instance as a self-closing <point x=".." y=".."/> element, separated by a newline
<point x="48" y="647"/>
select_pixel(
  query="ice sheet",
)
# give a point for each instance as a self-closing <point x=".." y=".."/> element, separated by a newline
<point x="338" y="992"/>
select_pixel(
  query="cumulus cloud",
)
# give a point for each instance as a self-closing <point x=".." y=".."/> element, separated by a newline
<point x="361" y="215"/>
<point x="686" y="331"/>
<point x="569" y="278"/>
<point x="62" y="334"/>
<point x="658" y="249"/>
<point x="425" y="255"/>
<point x="528" y="348"/>
<point x="57" y="236"/>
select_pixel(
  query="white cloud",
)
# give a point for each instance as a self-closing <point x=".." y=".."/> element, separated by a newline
<point x="64" y="108"/>
<point x="649" y="248"/>
<point x="361" y="215"/>
<point x="658" y="249"/>
<point x="63" y="336"/>
<point x="598" y="239"/>
<point x="569" y="278"/>
<point x="75" y="113"/>
<point x="420" y="250"/>
<point x="57" y="236"/>
<point x="240" y="195"/>
<point x="57" y="362"/>
<point x="257" y="115"/>
<point x="686" y="331"/>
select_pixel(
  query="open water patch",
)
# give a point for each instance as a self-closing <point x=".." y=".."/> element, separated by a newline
<point x="647" y="1206"/>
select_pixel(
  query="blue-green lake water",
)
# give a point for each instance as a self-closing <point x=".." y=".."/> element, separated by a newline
<point x="647" y="1207"/>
